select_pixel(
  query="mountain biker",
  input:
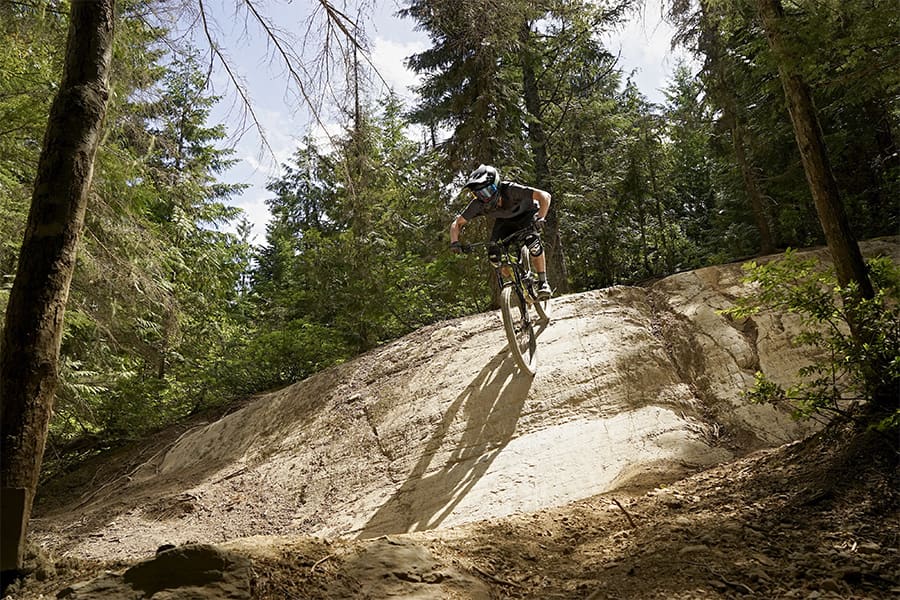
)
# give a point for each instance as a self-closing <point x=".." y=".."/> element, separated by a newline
<point x="514" y="207"/>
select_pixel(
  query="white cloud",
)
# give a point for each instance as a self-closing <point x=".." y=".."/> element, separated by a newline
<point x="389" y="57"/>
<point x="645" y="46"/>
<point x="256" y="211"/>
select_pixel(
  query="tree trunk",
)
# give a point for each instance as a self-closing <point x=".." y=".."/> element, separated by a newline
<point x="34" y="318"/>
<point x="556" y="259"/>
<point x="848" y="260"/>
<point x="715" y="55"/>
<point x="667" y="250"/>
<point x="757" y="202"/>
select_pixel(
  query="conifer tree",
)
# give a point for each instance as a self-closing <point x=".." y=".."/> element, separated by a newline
<point x="811" y="142"/>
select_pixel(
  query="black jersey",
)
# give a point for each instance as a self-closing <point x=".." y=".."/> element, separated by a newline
<point x="515" y="200"/>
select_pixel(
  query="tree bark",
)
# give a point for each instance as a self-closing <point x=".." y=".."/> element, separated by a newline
<point x="845" y="252"/>
<point x="556" y="258"/>
<point x="757" y="202"/>
<point x="723" y="90"/>
<point x="32" y="335"/>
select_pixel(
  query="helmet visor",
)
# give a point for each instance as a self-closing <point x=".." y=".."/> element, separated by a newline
<point x="486" y="193"/>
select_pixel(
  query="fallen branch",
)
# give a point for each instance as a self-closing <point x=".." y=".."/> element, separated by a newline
<point x="733" y="584"/>
<point x="494" y="578"/>
<point x="312" y="569"/>
<point x="240" y="471"/>
<point x="628" y="516"/>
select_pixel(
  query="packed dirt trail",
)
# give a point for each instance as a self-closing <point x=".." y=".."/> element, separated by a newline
<point x="630" y="466"/>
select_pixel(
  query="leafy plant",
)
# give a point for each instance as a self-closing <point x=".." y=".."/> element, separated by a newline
<point x="859" y="337"/>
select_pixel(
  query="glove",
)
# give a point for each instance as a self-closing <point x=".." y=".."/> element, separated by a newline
<point x="455" y="247"/>
<point x="539" y="223"/>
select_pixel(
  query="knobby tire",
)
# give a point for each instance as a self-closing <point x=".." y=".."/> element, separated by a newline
<point x="519" y="330"/>
<point x="543" y="310"/>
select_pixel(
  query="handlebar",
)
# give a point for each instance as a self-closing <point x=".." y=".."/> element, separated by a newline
<point x="469" y="248"/>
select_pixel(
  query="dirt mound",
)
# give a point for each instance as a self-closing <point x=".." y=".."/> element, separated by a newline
<point x="637" y="387"/>
<point x="815" y="519"/>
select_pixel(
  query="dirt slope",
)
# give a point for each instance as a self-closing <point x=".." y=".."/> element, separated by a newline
<point x="637" y="387"/>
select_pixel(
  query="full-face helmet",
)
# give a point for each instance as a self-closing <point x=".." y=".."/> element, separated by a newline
<point x="484" y="183"/>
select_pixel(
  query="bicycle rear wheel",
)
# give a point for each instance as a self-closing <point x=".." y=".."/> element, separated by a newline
<point x="519" y="330"/>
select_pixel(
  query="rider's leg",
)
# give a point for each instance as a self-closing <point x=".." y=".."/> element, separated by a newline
<point x="501" y="229"/>
<point x="540" y="266"/>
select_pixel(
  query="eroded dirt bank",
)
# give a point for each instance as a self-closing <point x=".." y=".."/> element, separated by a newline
<point x="637" y="387"/>
<point x="804" y="520"/>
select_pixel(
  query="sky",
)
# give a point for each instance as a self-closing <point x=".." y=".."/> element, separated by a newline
<point x="643" y="45"/>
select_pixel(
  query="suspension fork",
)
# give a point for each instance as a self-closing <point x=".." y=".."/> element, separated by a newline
<point x="511" y="274"/>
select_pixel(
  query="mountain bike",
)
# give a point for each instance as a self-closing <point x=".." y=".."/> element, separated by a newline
<point x="520" y="307"/>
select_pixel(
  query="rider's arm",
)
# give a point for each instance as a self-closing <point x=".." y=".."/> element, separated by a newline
<point x="455" y="228"/>
<point x="543" y="200"/>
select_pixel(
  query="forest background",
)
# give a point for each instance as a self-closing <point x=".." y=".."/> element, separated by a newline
<point x="173" y="311"/>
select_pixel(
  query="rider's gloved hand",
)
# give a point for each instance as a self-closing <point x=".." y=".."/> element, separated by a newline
<point x="455" y="247"/>
<point x="539" y="223"/>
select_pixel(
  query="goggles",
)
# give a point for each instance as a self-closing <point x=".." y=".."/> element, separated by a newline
<point x="486" y="193"/>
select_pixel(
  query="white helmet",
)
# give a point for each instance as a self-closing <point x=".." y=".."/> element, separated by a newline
<point x="484" y="183"/>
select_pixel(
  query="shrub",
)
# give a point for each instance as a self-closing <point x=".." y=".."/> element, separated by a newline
<point x="859" y="336"/>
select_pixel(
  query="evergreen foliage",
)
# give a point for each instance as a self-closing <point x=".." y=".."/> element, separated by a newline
<point x="155" y="298"/>
<point x="30" y="63"/>
<point x="849" y="63"/>
<point x="355" y="250"/>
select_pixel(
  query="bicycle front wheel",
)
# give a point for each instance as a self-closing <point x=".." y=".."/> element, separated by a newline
<point x="543" y="310"/>
<point x="519" y="330"/>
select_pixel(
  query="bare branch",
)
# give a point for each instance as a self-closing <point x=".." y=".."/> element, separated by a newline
<point x="290" y="62"/>
<point x="344" y="23"/>
<point x="307" y="59"/>
<point x="248" y="105"/>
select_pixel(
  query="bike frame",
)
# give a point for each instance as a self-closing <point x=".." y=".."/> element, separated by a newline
<point x="516" y="258"/>
<point x="517" y="294"/>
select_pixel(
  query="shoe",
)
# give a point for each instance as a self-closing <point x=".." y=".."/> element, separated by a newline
<point x="543" y="291"/>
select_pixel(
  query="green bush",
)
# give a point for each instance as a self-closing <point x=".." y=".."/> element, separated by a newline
<point x="859" y="336"/>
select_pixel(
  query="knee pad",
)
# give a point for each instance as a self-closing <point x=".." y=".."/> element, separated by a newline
<point x="533" y="241"/>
